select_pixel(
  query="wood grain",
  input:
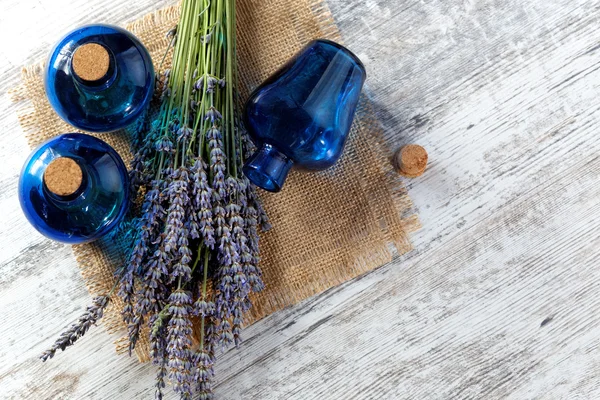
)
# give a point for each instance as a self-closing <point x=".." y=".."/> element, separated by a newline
<point x="499" y="300"/>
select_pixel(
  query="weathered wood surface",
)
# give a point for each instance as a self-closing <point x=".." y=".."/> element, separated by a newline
<point x="499" y="299"/>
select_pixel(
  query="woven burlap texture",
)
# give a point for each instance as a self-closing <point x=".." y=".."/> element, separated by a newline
<point x="328" y="227"/>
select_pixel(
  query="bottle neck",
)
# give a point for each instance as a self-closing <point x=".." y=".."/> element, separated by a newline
<point x="268" y="168"/>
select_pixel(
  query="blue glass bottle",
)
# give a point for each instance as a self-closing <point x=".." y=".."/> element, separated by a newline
<point x="74" y="188"/>
<point x="301" y="116"/>
<point x="99" y="78"/>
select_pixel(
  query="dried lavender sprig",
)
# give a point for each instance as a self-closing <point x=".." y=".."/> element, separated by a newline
<point x="217" y="161"/>
<point x="177" y="232"/>
<point x="158" y="347"/>
<point x="252" y="219"/>
<point x="143" y="148"/>
<point x="152" y="212"/>
<point x="232" y="289"/>
<point x="179" y="342"/>
<point x="204" y="356"/>
<point x="151" y="293"/>
<point x="205" y="359"/>
<point x="241" y="266"/>
<point x="202" y="203"/>
<point x="92" y="314"/>
<point x="178" y="200"/>
<point x="204" y="374"/>
<point x="263" y="219"/>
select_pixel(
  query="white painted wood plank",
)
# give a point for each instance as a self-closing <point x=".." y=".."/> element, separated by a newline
<point x="500" y="297"/>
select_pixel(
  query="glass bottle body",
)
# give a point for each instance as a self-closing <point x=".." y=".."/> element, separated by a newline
<point x="301" y="116"/>
<point x="94" y="209"/>
<point x="111" y="102"/>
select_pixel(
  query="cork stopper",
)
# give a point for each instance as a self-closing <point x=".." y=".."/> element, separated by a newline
<point x="63" y="176"/>
<point x="411" y="160"/>
<point x="91" y="62"/>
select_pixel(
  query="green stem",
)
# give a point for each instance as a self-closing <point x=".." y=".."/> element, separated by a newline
<point x="197" y="260"/>
<point x="229" y="10"/>
<point x="189" y="70"/>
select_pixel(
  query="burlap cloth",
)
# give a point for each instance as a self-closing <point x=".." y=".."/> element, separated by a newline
<point x="329" y="227"/>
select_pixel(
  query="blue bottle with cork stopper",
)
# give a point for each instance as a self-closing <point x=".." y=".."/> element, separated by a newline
<point x="301" y="115"/>
<point x="99" y="78"/>
<point x="74" y="188"/>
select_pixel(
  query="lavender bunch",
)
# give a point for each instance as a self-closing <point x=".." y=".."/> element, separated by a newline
<point x="193" y="258"/>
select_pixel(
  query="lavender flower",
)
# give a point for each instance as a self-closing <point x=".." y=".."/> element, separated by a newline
<point x="164" y="145"/>
<point x="263" y="219"/>
<point x="213" y="115"/>
<point x="219" y="219"/>
<point x="191" y="225"/>
<point x="227" y="256"/>
<point x="225" y="334"/>
<point x="126" y="292"/>
<point x="165" y="94"/>
<point x="181" y="268"/>
<point x="77" y="330"/>
<point x="247" y="146"/>
<point x="166" y="90"/>
<point x="158" y="347"/>
<point x="217" y="161"/>
<point x="204" y="360"/>
<point x="238" y="311"/>
<point x="172" y="127"/>
<point x="247" y="261"/>
<point x="138" y="166"/>
<point x="228" y="252"/>
<point x="179" y="342"/>
<point x="171" y="33"/>
<point x="167" y="173"/>
<point x="241" y="185"/>
<point x="179" y="200"/>
<point x="204" y="374"/>
<point x="202" y="201"/>
<point x="250" y="254"/>
<point x="232" y="287"/>
<point x="206" y="38"/>
<point x="211" y="82"/>
<point x="204" y="308"/>
<point x="151" y="291"/>
<point x="184" y="133"/>
<point x="199" y="84"/>
<point x="160" y="381"/>
<point x="242" y="265"/>
<point x="152" y="212"/>
<point x="177" y="233"/>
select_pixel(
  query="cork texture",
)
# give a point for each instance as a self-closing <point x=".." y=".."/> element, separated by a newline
<point x="63" y="176"/>
<point x="411" y="160"/>
<point x="329" y="227"/>
<point x="91" y="62"/>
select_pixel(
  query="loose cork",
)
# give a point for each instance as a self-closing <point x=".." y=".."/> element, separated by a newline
<point x="63" y="176"/>
<point x="91" y="62"/>
<point x="411" y="160"/>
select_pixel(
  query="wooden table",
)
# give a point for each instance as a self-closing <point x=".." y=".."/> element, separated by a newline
<point x="499" y="299"/>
